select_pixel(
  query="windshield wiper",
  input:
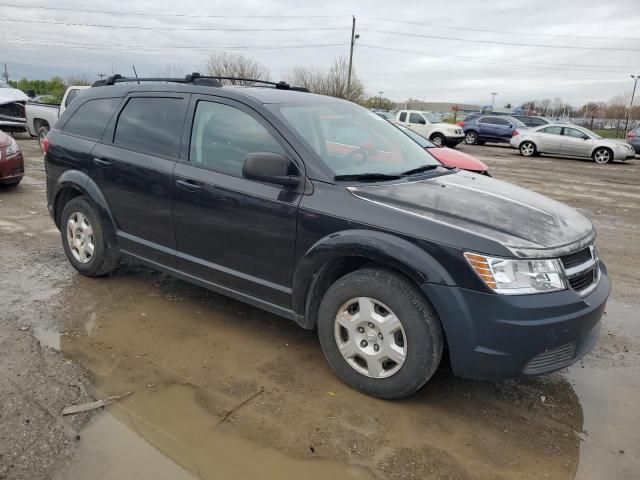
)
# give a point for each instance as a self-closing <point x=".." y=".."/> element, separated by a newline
<point x="367" y="176"/>
<point x="423" y="168"/>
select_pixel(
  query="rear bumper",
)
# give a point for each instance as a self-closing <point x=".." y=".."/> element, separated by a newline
<point x="453" y="141"/>
<point x="505" y="336"/>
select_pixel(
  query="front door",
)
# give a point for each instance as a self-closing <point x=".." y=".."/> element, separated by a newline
<point x="133" y="165"/>
<point x="576" y="143"/>
<point x="234" y="232"/>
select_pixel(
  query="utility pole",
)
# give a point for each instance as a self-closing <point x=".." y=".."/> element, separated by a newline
<point x="5" y="74"/>
<point x="380" y="100"/>
<point x="354" y="37"/>
<point x="493" y="100"/>
<point x="635" y="83"/>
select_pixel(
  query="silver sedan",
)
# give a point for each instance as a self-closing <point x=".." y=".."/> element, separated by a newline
<point x="570" y="140"/>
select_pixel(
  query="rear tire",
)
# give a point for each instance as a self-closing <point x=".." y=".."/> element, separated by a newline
<point x="602" y="155"/>
<point x="438" y="139"/>
<point x="471" y="138"/>
<point x="363" y="301"/>
<point x="83" y="239"/>
<point x="528" y="149"/>
<point x="42" y="133"/>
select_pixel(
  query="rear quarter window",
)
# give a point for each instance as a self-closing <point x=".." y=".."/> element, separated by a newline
<point x="91" y="118"/>
<point x="151" y="125"/>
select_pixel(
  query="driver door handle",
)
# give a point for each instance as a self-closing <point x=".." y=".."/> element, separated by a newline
<point x="189" y="185"/>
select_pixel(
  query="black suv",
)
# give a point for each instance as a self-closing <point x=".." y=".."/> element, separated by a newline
<point x="322" y="212"/>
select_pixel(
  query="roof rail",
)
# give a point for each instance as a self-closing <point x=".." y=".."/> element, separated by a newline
<point x="196" y="79"/>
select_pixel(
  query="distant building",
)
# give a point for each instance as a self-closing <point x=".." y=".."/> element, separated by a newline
<point x="436" y="107"/>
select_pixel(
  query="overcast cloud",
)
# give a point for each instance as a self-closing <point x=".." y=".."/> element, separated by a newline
<point x="437" y="73"/>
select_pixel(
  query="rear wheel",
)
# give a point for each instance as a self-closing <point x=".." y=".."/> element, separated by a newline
<point x="379" y="334"/>
<point x="602" y="155"/>
<point x="42" y="133"/>
<point x="471" y="138"/>
<point x="84" y="241"/>
<point x="438" y="139"/>
<point x="527" y="149"/>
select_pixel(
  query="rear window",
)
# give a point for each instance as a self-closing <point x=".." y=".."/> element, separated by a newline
<point x="151" y="125"/>
<point x="92" y="118"/>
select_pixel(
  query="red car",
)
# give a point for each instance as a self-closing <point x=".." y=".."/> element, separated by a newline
<point x="11" y="161"/>
<point x="447" y="156"/>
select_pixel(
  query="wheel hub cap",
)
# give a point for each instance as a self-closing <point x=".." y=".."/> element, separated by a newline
<point x="370" y="337"/>
<point x="80" y="237"/>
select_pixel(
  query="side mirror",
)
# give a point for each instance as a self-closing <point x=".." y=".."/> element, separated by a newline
<point x="270" y="168"/>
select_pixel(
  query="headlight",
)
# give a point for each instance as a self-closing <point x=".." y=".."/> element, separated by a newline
<point x="516" y="277"/>
<point x="13" y="148"/>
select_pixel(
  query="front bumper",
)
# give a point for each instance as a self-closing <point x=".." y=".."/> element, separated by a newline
<point x="494" y="336"/>
<point x="11" y="168"/>
<point x="453" y="141"/>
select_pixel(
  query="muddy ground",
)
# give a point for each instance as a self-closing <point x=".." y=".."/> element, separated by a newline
<point x="190" y="357"/>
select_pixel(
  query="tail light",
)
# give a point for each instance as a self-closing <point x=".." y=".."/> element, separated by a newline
<point x="460" y="124"/>
<point x="46" y="144"/>
<point x="515" y="133"/>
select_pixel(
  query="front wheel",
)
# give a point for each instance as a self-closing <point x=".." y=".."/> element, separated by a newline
<point x="471" y="138"/>
<point x="438" y="139"/>
<point x="527" y="149"/>
<point x="83" y="239"/>
<point x="379" y="334"/>
<point x="602" y="155"/>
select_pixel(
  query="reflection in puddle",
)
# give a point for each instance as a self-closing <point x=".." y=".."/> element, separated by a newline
<point x="191" y="356"/>
<point x="47" y="338"/>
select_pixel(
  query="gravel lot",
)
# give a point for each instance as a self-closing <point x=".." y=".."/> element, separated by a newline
<point x="190" y="356"/>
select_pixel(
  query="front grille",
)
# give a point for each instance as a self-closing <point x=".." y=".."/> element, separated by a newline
<point x="582" y="280"/>
<point x="553" y="359"/>
<point x="576" y="258"/>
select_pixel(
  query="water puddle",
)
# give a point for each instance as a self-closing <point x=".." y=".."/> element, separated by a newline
<point x="47" y="338"/>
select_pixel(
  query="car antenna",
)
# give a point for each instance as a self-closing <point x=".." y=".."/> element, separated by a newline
<point x="135" y="73"/>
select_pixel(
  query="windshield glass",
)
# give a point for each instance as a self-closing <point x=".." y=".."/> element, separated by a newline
<point x="419" y="139"/>
<point x="431" y="117"/>
<point x="351" y="140"/>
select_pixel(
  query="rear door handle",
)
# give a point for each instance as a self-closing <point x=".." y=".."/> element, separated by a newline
<point x="189" y="185"/>
<point x="102" y="162"/>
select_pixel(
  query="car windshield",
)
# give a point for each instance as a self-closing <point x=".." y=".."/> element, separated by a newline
<point x="419" y="139"/>
<point x="431" y="117"/>
<point x="351" y="140"/>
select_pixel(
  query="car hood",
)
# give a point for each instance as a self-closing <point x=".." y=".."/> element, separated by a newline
<point x="453" y="158"/>
<point x="8" y="95"/>
<point x="527" y="223"/>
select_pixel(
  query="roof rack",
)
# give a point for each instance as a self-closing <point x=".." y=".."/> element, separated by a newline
<point x="196" y="79"/>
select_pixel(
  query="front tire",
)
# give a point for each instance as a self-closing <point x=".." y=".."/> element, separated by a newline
<point x="379" y="334"/>
<point x="471" y="138"/>
<point x="602" y="155"/>
<point x="83" y="239"/>
<point x="438" y="139"/>
<point x="527" y="149"/>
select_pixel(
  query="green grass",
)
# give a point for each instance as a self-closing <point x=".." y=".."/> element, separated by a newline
<point x="609" y="133"/>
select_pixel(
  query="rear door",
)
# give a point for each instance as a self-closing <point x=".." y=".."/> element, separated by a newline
<point x="549" y="140"/>
<point x="133" y="165"/>
<point x="234" y="232"/>
<point x="575" y="142"/>
<point x="486" y="129"/>
<point x="503" y="128"/>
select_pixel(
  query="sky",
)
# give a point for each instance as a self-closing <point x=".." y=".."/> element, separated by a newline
<point x="449" y="51"/>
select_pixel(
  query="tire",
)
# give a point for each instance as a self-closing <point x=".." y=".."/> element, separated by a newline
<point x="602" y="155"/>
<point x="13" y="183"/>
<point x="419" y="334"/>
<point x="471" y="138"/>
<point x="438" y="139"/>
<point x="103" y="259"/>
<point x="41" y="133"/>
<point x="528" y="149"/>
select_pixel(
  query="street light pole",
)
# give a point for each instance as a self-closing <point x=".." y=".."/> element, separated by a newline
<point x="380" y="100"/>
<point x="493" y="98"/>
<point x="354" y="36"/>
<point x="635" y="83"/>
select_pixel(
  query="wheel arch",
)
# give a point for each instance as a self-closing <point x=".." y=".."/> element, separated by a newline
<point x="40" y="122"/>
<point x="343" y="252"/>
<point x="74" y="183"/>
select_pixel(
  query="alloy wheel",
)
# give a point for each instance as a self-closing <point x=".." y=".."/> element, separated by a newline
<point x="602" y="156"/>
<point x="80" y="237"/>
<point x="470" y="138"/>
<point x="527" y="149"/>
<point x="370" y="337"/>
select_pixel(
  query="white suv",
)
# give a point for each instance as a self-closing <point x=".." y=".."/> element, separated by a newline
<point x="428" y="125"/>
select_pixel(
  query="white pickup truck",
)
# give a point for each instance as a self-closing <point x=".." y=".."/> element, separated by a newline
<point x="427" y="124"/>
<point x="41" y="117"/>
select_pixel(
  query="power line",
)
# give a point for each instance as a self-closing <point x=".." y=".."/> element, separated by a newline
<point x="194" y="29"/>
<point x="502" y="32"/>
<point x="496" y="42"/>
<point x="490" y="62"/>
<point x="161" y="14"/>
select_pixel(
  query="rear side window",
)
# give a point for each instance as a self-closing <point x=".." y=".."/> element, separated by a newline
<point x="151" y="125"/>
<point x="552" y="130"/>
<point x="403" y="116"/>
<point x="501" y="121"/>
<point x="92" y="118"/>
<point x="489" y="120"/>
<point x="222" y="136"/>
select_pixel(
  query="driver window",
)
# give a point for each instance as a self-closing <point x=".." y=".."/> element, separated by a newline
<point x="572" y="132"/>
<point x="416" y="118"/>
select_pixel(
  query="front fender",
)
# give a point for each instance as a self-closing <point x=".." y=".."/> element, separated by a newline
<point x="382" y="248"/>
<point x="80" y="181"/>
